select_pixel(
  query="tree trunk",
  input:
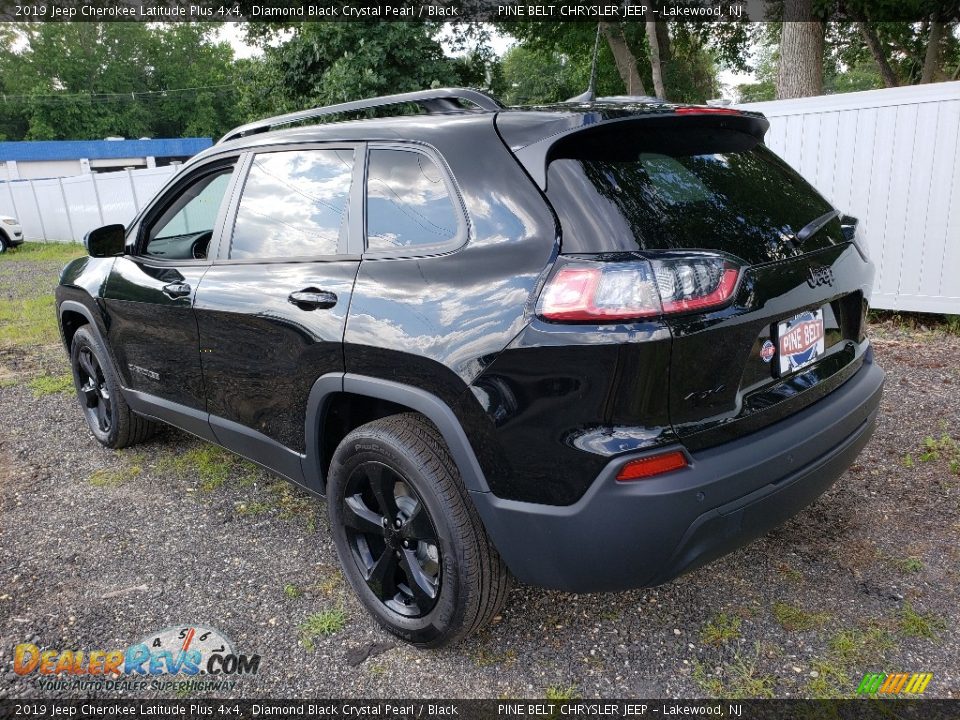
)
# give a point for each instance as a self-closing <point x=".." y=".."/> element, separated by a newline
<point x="801" y="52"/>
<point x="663" y="38"/>
<point x="931" y="63"/>
<point x="624" y="58"/>
<point x="656" y="63"/>
<point x="879" y="57"/>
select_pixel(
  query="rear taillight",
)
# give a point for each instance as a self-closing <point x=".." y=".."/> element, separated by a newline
<point x="598" y="291"/>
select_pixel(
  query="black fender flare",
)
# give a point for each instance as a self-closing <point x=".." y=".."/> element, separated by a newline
<point x="425" y="403"/>
<point x="78" y="307"/>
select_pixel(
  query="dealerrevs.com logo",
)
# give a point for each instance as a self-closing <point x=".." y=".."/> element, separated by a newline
<point x="190" y="657"/>
<point x="894" y="683"/>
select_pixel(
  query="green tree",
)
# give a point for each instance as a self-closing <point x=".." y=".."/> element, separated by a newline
<point x="689" y="55"/>
<point x="327" y="63"/>
<point x="92" y="80"/>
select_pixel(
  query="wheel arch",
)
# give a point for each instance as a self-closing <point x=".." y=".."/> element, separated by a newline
<point x="73" y="315"/>
<point x="387" y="398"/>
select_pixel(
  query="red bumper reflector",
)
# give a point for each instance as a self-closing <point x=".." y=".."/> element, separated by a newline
<point x="653" y="465"/>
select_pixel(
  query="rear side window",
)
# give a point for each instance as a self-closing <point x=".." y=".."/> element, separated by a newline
<point x="294" y="204"/>
<point x="726" y="191"/>
<point x="408" y="202"/>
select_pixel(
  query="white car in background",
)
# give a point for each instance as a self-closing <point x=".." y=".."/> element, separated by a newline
<point x="11" y="233"/>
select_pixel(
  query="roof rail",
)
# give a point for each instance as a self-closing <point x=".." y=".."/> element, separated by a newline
<point x="433" y="101"/>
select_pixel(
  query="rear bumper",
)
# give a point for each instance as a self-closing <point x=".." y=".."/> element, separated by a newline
<point x="627" y="535"/>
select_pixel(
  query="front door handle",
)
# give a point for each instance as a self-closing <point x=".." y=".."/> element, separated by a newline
<point x="313" y="299"/>
<point x="176" y="290"/>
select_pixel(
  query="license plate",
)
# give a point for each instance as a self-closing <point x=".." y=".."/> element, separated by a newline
<point x="799" y="341"/>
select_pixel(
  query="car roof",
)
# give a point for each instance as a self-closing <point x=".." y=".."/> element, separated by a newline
<point x="449" y="119"/>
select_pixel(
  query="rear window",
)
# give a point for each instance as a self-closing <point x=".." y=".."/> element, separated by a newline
<point x="664" y="191"/>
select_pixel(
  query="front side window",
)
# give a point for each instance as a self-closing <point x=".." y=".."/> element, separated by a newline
<point x="184" y="229"/>
<point x="408" y="202"/>
<point x="294" y="204"/>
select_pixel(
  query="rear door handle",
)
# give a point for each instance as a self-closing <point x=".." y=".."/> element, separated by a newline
<point x="313" y="299"/>
<point x="176" y="290"/>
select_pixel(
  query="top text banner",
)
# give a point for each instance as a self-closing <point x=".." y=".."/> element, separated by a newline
<point x="281" y="11"/>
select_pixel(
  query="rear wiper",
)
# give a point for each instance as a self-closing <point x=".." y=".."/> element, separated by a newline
<point x="808" y="230"/>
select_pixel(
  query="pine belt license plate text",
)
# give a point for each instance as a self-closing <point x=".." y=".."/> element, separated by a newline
<point x="799" y="341"/>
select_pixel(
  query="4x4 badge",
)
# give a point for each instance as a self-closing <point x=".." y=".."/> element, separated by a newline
<point x="819" y="276"/>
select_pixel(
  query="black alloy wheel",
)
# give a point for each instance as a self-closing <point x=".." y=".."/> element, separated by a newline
<point x="94" y="393"/>
<point x="392" y="539"/>
<point x="409" y="539"/>
<point x="105" y="409"/>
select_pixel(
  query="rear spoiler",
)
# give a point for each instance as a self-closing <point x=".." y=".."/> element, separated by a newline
<point x="593" y="128"/>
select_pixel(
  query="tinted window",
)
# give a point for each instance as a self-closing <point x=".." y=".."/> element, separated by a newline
<point x="184" y="229"/>
<point x="728" y="193"/>
<point x="294" y="204"/>
<point x="408" y="203"/>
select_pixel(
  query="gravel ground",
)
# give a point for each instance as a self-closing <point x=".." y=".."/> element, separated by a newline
<point x="99" y="548"/>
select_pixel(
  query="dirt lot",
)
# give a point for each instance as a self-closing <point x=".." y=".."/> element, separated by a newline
<point x="100" y="548"/>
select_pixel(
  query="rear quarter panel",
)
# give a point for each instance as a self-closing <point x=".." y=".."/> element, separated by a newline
<point x="437" y="322"/>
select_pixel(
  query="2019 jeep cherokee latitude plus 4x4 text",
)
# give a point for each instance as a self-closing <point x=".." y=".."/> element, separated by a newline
<point x="589" y="345"/>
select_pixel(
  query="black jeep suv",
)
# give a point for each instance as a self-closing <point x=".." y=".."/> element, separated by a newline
<point x="590" y="345"/>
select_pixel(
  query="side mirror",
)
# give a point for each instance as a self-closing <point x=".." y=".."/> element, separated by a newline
<point x="106" y="241"/>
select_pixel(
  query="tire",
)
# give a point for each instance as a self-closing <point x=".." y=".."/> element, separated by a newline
<point x="108" y="416"/>
<point x="4" y="243"/>
<point x="446" y="548"/>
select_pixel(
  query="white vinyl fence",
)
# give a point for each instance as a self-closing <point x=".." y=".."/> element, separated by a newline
<point x="64" y="209"/>
<point x="891" y="159"/>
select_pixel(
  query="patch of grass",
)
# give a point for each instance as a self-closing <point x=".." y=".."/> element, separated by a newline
<point x="6" y="382"/>
<point x="830" y="683"/>
<point x="329" y="585"/>
<point x="923" y="322"/>
<point x="858" y="647"/>
<point x="377" y="669"/>
<point x="790" y="573"/>
<point x="908" y="460"/>
<point x="854" y="648"/>
<point x="114" y="477"/>
<point x="51" y="384"/>
<point x="210" y="465"/>
<point x="952" y="324"/>
<point x="257" y="507"/>
<point x="914" y="624"/>
<point x="28" y="322"/>
<point x="485" y="657"/>
<point x="292" y="591"/>
<point x="795" y="619"/>
<point x="944" y="447"/>
<point x="321" y="624"/>
<point x="290" y="500"/>
<point x="909" y="564"/>
<point x="721" y="629"/>
<point x="561" y="694"/>
<point x="44" y="251"/>
<point x="737" y="680"/>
